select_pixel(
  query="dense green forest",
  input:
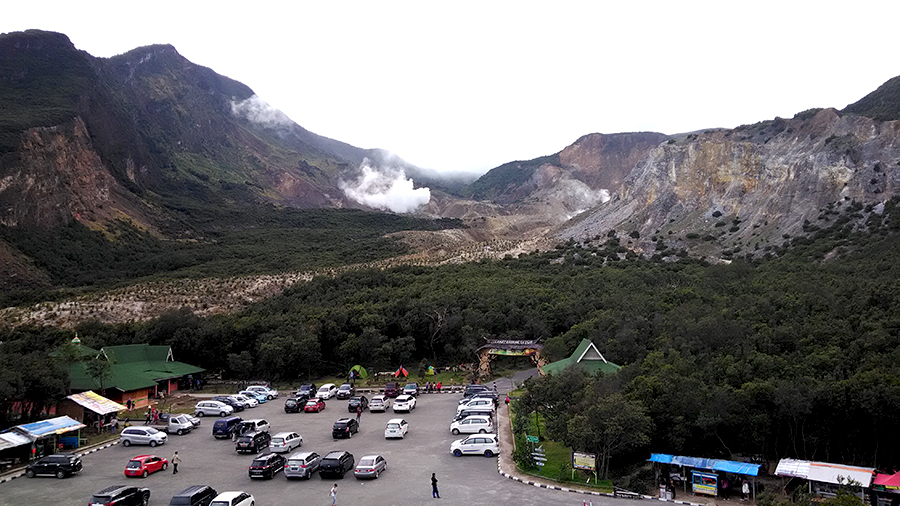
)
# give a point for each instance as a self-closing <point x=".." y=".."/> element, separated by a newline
<point x="793" y="354"/>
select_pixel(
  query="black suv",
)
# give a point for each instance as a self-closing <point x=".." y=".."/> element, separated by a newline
<point x="195" y="495"/>
<point x="360" y="401"/>
<point x="473" y="389"/>
<point x="346" y="391"/>
<point x="252" y="442"/>
<point x="231" y="402"/>
<point x="336" y="464"/>
<point x="59" y="465"/>
<point x="344" y="427"/>
<point x="295" y="403"/>
<point x="121" y="495"/>
<point x="265" y="466"/>
<point x="308" y="389"/>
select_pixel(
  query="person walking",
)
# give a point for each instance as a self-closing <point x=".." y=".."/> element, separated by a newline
<point x="434" y="491"/>
<point x="358" y="412"/>
<point x="333" y="494"/>
<point x="175" y="461"/>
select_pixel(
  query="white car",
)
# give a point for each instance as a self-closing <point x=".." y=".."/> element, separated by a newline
<point x="472" y="424"/>
<point x="249" y="402"/>
<point x="379" y="402"/>
<point x="404" y="403"/>
<point x="478" y="444"/>
<point x="212" y="408"/>
<point x="270" y="393"/>
<point x="142" y="436"/>
<point x="396" y="427"/>
<point x="233" y="499"/>
<point x="285" y="442"/>
<point x="241" y="400"/>
<point x="476" y="404"/>
<point x="326" y="391"/>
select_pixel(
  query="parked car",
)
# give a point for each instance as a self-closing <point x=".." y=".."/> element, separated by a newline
<point x="226" y="427"/>
<point x="472" y="425"/>
<point x="295" y="404"/>
<point x="326" y="391"/>
<point x="466" y="413"/>
<point x="195" y="495"/>
<point x="174" y="424"/>
<point x="344" y="427"/>
<point x="285" y="441"/>
<point x="478" y="444"/>
<point x="144" y="465"/>
<point x="474" y="388"/>
<point x="253" y="424"/>
<point x="411" y="389"/>
<point x="234" y="403"/>
<point x="314" y="405"/>
<point x="370" y="466"/>
<point x="379" y="403"/>
<point x="308" y="389"/>
<point x="396" y="428"/>
<point x="270" y="393"/>
<point x="477" y="403"/>
<point x="404" y="403"/>
<point x="59" y="465"/>
<point x="266" y="466"/>
<point x="142" y="436"/>
<point x="359" y="401"/>
<point x="236" y="498"/>
<point x="212" y="408"/>
<point x="302" y="465"/>
<point x="252" y="442"/>
<point x="345" y="391"/>
<point x="391" y="389"/>
<point x="260" y="397"/>
<point x="250" y="401"/>
<point x="121" y="495"/>
<point x="336" y="464"/>
<point x="193" y="419"/>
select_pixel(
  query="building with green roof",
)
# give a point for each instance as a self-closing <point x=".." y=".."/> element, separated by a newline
<point x="585" y="357"/>
<point x="137" y="371"/>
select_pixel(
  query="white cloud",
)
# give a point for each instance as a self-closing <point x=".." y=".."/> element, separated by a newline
<point x="386" y="189"/>
<point x="259" y="111"/>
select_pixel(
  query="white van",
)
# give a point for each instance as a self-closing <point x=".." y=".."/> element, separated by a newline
<point x="212" y="408"/>
<point x="472" y="425"/>
<point x="477" y="444"/>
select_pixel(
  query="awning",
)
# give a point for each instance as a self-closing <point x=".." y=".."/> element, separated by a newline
<point x="12" y="439"/>
<point x="58" y="425"/>
<point x="727" y="466"/>
<point x="96" y="403"/>
<point x="824" y="472"/>
<point x="887" y="482"/>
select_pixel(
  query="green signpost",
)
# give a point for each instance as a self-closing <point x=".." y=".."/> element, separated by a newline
<point x="531" y="439"/>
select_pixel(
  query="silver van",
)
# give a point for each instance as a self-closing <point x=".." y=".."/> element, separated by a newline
<point x="302" y="465"/>
<point x="142" y="436"/>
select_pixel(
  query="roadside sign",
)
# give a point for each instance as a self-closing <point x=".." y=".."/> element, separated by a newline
<point x="531" y="439"/>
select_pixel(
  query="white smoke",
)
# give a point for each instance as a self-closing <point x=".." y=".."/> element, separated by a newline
<point x="386" y="189"/>
<point x="258" y="111"/>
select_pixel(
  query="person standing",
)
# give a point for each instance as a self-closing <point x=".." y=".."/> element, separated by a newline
<point x="333" y="494"/>
<point x="745" y="490"/>
<point x="358" y="412"/>
<point x="434" y="491"/>
<point x="175" y="461"/>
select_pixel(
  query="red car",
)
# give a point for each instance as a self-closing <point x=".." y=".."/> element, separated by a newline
<point x="314" y="405"/>
<point x="143" y="465"/>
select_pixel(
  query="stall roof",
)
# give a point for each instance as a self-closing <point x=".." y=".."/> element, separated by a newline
<point x="12" y="439"/>
<point x="96" y="402"/>
<point x="888" y="481"/>
<point x="824" y="472"/>
<point x="58" y="425"/>
<point x="727" y="466"/>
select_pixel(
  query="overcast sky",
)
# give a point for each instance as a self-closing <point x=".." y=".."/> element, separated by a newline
<point x="467" y="86"/>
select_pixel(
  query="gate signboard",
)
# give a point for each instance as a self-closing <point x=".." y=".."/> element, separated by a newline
<point x="584" y="461"/>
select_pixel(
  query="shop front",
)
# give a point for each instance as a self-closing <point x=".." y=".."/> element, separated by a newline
<point x="886" y="490"/>
<point x="712" y="477"/>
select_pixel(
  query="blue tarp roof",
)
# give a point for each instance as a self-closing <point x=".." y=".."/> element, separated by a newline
<point x="728" y="466"/>
<point x="56" y="425"/>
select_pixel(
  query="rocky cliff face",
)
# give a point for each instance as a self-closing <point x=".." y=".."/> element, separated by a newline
<point x="750" y="186"/>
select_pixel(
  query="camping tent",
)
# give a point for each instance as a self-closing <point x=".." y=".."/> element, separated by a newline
<point x="401" y="371"/>
<point x="358" y="371"/>
<point x="430" y="370"/>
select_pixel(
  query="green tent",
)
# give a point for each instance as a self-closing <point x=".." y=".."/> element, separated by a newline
<point x="359" y="370"/>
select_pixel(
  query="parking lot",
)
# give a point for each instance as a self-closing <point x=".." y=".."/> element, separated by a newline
<point x="407" y="481"/>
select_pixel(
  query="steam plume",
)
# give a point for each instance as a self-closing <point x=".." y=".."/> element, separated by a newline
<point x="386" y="189"/>
<point x="258" y="111"/>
